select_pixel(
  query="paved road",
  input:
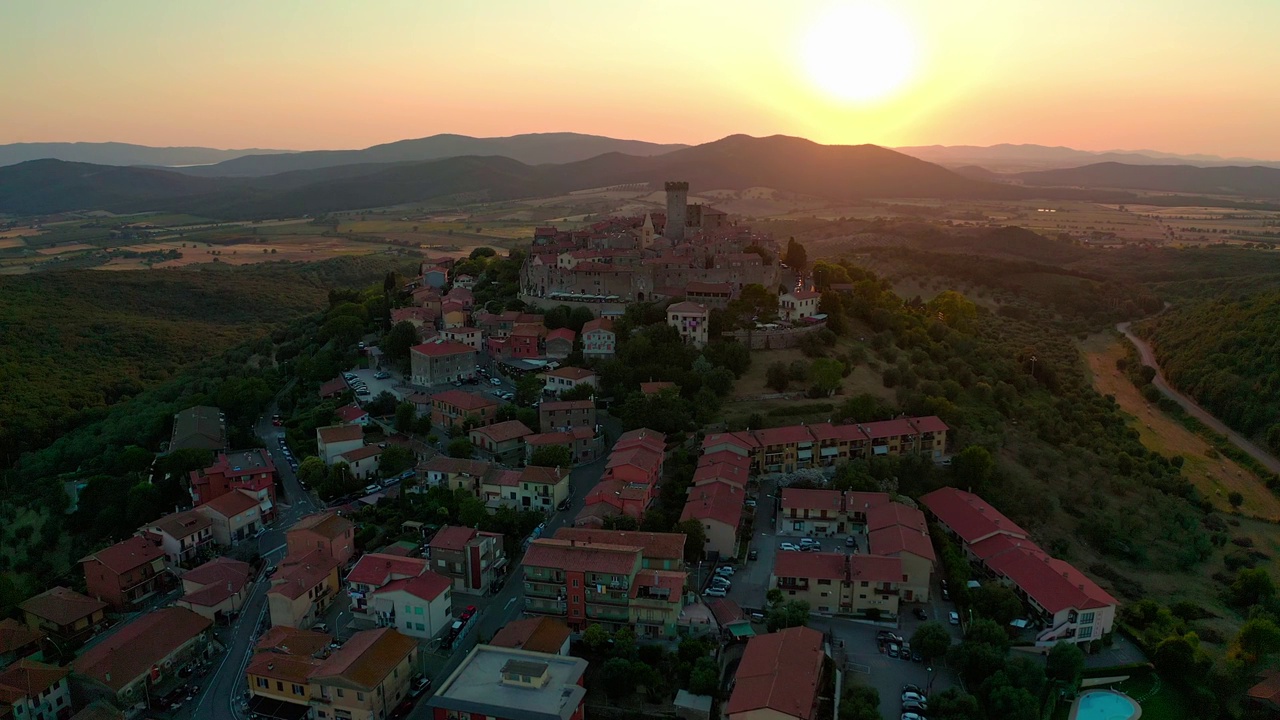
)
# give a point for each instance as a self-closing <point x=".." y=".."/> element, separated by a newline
<point x="1149" y="358"/>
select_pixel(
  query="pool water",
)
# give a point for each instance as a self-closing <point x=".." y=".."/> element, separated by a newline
<point x="1106" y="705"/>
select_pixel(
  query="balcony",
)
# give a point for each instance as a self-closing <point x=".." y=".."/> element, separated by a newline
<point x="545" y="607"/>
<point x="543" y="576"/>
<point x="545" y="590"/>
<point x="607" y="613"/>
<point x="793" y="584"/>
<point x="610" y="597"/>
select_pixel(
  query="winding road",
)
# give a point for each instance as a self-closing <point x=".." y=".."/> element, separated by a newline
<point x="1193" y="409"/>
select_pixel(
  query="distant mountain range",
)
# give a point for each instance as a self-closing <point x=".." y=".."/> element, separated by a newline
<point x="838" y="172"/>
<point x="531" y="149"/>
<point x="1020" y="158"/>
<point x="1256" y="181"/>
<point x="113" y="153"/>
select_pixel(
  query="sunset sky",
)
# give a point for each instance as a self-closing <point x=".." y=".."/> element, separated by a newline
<point x="1174" y="75"/>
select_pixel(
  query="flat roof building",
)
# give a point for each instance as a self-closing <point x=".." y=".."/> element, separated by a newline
<point x="510" y="684"/>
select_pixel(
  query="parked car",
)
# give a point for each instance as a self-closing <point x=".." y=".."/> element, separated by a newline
<point x="715" y="592"/>
<point x="362" y="391"/>
<point x="372" y="488"/>
<point x="919" y="613"/>
<point x="850" y="542"/>
<point x="911" y="716"/>
<point x="916" y="656"/>
<point x="953" y="617"/>
<point x="467" y="613"/>
<point x="789" y="547"/>
<point x="888" y="636"/>
<point x="564" y="504"/>
<point x="945" y="595"/>
<point x="914" y="707"/>
<point x="275" y="420"/>
<point x="420" y="685"/>
<point x="495" y="381"/>
<point x="725" y="570"/>
<point x="382" y="375"/>
<point x="750" y="503"/>
<point x="718" y="581"/>
<point x="893" y="650"/>
<point x="911" y="696"/>
<point x="809" y="541"/>
<point x="909" y="687"/>
<point x="320" y="627"/>
<point x="753" y="555"/>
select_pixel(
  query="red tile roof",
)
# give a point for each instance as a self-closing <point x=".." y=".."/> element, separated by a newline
<point x="650" y="388"/>
<point x="1268" y="688"/>
<point x="716" y="501"/>
<point x="282" y="639"/>
<point x="968" y="515"/>
<point x="427" y="586"/>
<point x="931" y="423"/>
<point x="655" y="545"/>
<point x="811" y="565"/>
<point x="733" y="473"/>
<point x="465" y="401"/>
<point x="646" y="459"/>
<point x="989" y="548"/>
<point x="1054" y="584"/>
<point x="503" y="431"/>
<point x="550" y="438"/>
<point x="562" y="405"/>
<point x="15" y="636"/>
<point x="340" y="433"/>
<point x="442" y="348"/>
<point x="231" y="504"/>
<point x="542" y="475"/>
<point x="668" y="583"/>
<point x="593" y="557"/>
<point x="804" y="294"/>
<point x="62" y="606"/>
<point x="291" y="668"/>
<point x="299" y="575"/>
<point x="891" y="514"/>
<point x="132" y="650"/>
<point x="27" y="679"/>
<point x="605" y="324"/>
<point x="889" y="428"/>
<point x="739" y="439"/>
<point x="128" y="554"/>
<point x="561" y="334"/>
<point x="641" y="437"/>
<point x="725" y="457"/>
<point x="351" y="413"/>
<point x="897" y="538"/>
<point x="571" y="373"/>
<point x="333" y="387"/>
<point x="181" y="525"/>
<point x="874" y="568"/>
<point x="687" y="308"/>
<point x="326" y="523"/>
<point x="367" y="658"/>
<point x="855" y="501"/>
<point x="780" y="671"/>
<point x="539" y="634"/>
<point x="456" y="466"/>
<point x="806" y="499"/>
<point x="452" y="537"/>
<point x="219" y="570"/>
<point x="361" y="453"/>
<point x="788" y="435"/>
<point x="377" y="569"/>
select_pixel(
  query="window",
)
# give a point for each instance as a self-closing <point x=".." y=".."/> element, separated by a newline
<point x="417" y="611"/>
<point x="824" y="582"/>
<point x="299" y="690"/>
<point x="577" y="612"/>
<point x="1086" y="618"/>
<point x="262" y="683"/>
<point x="279" y="686"/>
<point x="340" y="692"/>
<point x="1086" y="632"/>
<point x="360" y="697"/>
<point x="407" y="609"/>
<point x="419" y="627"/>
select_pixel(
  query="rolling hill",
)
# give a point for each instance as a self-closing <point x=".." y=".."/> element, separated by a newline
<point x="1258" y="182"/>
<point x="838" y="172"/>
<point x="114" y="153"/>
<point x="1027" y="158"/>
<point x="531" y="149"/>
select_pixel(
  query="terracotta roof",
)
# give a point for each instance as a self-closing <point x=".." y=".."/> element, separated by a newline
<point x="442" y="348"/>
<point x="724" y="472"/>
<point x="62" y="606"/>
<point x="299" y="575"/>
<point x="427" y="586"/>
<point x="806" y="499"/>
<point x="646" y="459"/>
<point x="542" y="475"/>
<point x="561" y="334"/>
<point x="361" y="453"/>
<point x="804" y="294"/>
<point x="14" y="636"/>
<point x="128" y="554"/>
<point x="894" y="513"/>
<point x="725" y="457"/>
<point x="823" y="432"/>
<point x="539" y="634"/>
<point x="340" y="433"/>
<point x="550" y="438"/>
<point x="465" y="401"/>
<point x="739" y="439"/>
<point x="898" y="538"/>
<point x="897" y="427"/>
<point x="282" y="639"/>
<point x="865" y="501"/>
<point x="670" y="583"/>
<point x="598" y="324"/>
<point x="333" y="387"/>
<point x="326" y="523"/>
<point x="838" y="566"/>
<point x="788" y="435"/>
<point x="968" y="515"/>
<point x="129" y="653"/>
<point x="562" y="405"/>
<point x="99" y="709"/>
<point x="452" y="537"/>
<point x="377" y="569"/>
<point x="1268" y="688"/>
<point x="656" y="545"/>
<point x="231" y="504"/>
<point x="931" y="423"/>
<point x="649" y="388"/>
<point x="641" y="437"/>
<point x="593" y="557"/>
<point x="571" y="373"/>
<point x="351" y="413"/>
<point x="780" y="671"/>
<point x="288" y="668"/>
<point x="1054" y="584"/>
<point x="181" y="525"/>
<point x="990" y="547"/>
<point x="219" y="570"/>
<point x="726" y="611"/>
<point x="27" y="679"/>
<point x="716" y="501"/>
<point x="455" y="466"/>
<point x="501" y="477"/>
<point x="503" y="431"/>
<point x="687" y="308"/>
<point x="366" y="659"/>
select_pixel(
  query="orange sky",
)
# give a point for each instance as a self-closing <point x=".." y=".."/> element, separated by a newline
<point x="1174" y="75"/>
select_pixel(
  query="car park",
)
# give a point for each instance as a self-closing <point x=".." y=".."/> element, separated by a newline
<point x="790" y="547"/>
<point x="715" y="592"/>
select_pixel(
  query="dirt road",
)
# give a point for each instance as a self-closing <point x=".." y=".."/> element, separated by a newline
<point x="1204" y="416"/>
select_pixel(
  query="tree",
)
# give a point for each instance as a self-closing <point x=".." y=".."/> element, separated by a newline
<point x="1236" y="499"/>
<point x="313" y="472"/>
<point x="825" y="375"/>
<point x="1257" y="639"/>
<point x="551" y="456"/>
<point x="973" y="468"/>
<point x="860" y="702"/>
<point x="1252" y="586"/>
<point x="774" y="597"/>
<point x="528" y="389"/>
<point x="975" y="661"/>
<point x="1178" y="659"/>
<point x="792" y="613"/>
<point x="1007" y="702"/>
<point x="585" y="391"/>
<point x="384" y="403"/>
<point x="460" y="448"/>
<point x="988" y="632"/>
<point x="596" y="638"/>
<point x="617" y="678"/>
<point x="931" y="640"/>
<point x="997" y="602"/>
<point x="395" y="459"/>
<point x="695" y="541"/>
<point x="777" y="377"/>
<point x="1064" y="664"/>
<point x="796" y="256"/>
<point x="650" y="679"/>
<point x="396" y="343"/>
<point x="955" y="704"/>
<point x="471" y="511"/>
<point x="705" y="678"/>
<point x="406" y="415"/>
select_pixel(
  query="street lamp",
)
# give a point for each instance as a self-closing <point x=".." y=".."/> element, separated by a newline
<point x="928" y="686"/>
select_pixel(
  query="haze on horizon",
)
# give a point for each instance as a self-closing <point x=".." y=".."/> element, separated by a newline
<point x="1168" y="75"/>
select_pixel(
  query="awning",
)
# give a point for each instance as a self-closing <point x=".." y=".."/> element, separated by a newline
<point x="880" y="450"/>
<point x="805" y="454"/>
<point x="265" y="707"/>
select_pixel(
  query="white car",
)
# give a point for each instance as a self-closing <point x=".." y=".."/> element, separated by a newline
<point x="725" y="570"/>
<point x="371" y="489"/>
<point x="496" y="381"/>
<point x="810" y="542"/>
<point x="911" y="716"/>
<point x="718" y="581"/>
<point x="954" y="617"/>
<point x="914" y="697"/>
<point x="789" y="546"/>
<point x="715" y="592"/>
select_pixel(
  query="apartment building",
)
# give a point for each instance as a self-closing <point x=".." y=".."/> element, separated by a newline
<point x="32" y="690"/>
<point x="598" y="339"/>
<point x="182" y="535"/>
<point x="543" y="488"/>
<point x="827" y="513"/>
<point x="455" y="473"/>
<point x="456" y="407"/>
<point x="780" y="677"/>
<point x="441" y="361"/>
<point x="471" y="559"/>
<point x="233" y="517"/>
<point x="796" y="447"/>
<point x="326" y="531"/>
<point x="501" y="683"/>
<point x="718" y="507"/>
<point x="374" y="570"/>
<point x="658" y="550"/>
<point x="126" y="573"/>
<point x="840" y="584"/>
<point x="501" y="442"/>
<point x="217" y="589"/>
<point x="334" y="440"/>
<point x="419" y="606"/>
<point x="691" y="320"/>
<point x="249" y="470"/>
<point x="302" y="589"/>
<point x="64" y="614"/>
<point x="199" y="428"/>
<point x="564" y="379"/>
<point x="588" y="583"/>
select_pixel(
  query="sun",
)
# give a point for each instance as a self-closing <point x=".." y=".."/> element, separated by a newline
<point x="859" y="52"/>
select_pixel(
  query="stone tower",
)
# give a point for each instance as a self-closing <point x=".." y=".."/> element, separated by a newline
<point x="677" y="210"/>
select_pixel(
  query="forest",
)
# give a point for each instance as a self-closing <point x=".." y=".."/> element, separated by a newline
<point x="1225" y="353"/>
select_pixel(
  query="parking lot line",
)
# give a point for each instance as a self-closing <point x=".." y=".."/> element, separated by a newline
<point x="855" y="667"/>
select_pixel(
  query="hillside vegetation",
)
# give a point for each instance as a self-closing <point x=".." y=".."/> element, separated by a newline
<point x="79" y="342"/>
<point x="1226" y="354"/>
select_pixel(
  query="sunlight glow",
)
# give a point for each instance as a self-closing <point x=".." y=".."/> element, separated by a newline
<point x="859" y="52"/>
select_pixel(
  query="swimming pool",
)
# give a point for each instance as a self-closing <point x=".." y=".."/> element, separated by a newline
<point x="1105" y="705"/>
